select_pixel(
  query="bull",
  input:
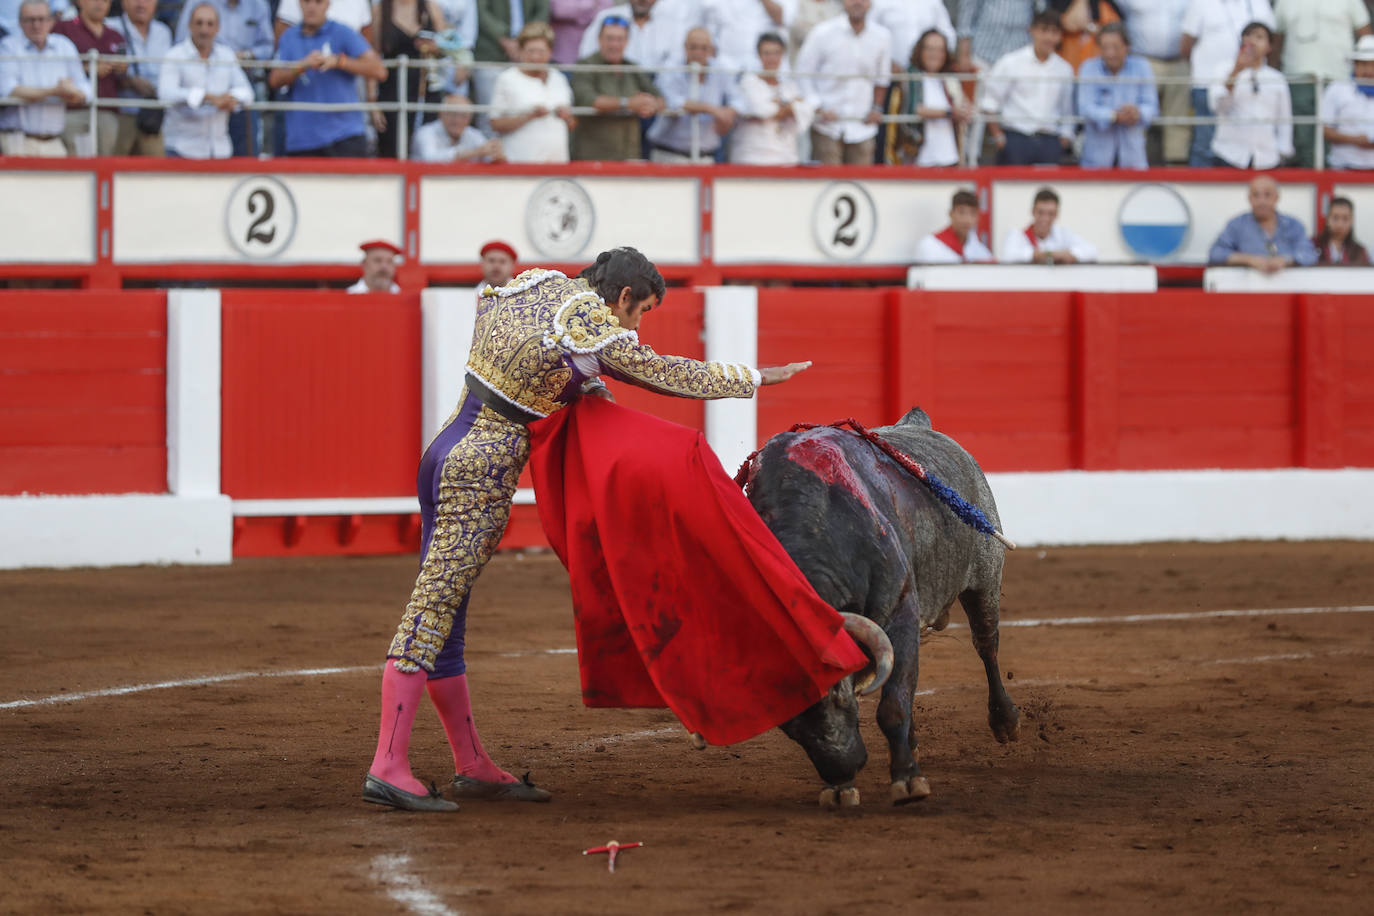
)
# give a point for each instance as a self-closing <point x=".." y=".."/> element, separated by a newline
<point x="878" y="546"/>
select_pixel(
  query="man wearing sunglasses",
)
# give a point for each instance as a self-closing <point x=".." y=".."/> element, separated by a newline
<point x="657" y="29"/>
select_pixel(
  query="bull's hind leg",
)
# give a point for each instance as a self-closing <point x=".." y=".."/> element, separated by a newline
<point x="983" y="607"/>
<point x="894" y="709"/>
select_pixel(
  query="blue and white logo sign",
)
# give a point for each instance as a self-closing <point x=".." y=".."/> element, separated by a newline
<point x="1155" y="221"/>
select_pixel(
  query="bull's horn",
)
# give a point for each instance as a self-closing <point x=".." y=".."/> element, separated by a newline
<point x="871" y="636"/>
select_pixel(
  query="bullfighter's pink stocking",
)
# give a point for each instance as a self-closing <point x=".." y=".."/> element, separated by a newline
<point x="450" y="698"/>
<point x="400" y="699"/>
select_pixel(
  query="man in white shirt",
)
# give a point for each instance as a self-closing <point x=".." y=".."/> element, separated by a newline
<point x="736" y="25"/>
<point x="1044" y="241"/>
<point x="49" y="79"/>
<point x="1211" y="38"/>
<point x="657" y="30"/>
<point x="1313" y="41"/>
<point x="957" y="243"/>
<point x="452" y="138"/>
<point x="908" y="20"/>
<point x="203" y="84"/>
<point x="379" y="268"/>
<point x="1031" y="89"/>
<point x="849" y="103"/>
<point x="1348" y="113"/>
<point x="1254" y="113"/>
<point x="1155" y="30"/>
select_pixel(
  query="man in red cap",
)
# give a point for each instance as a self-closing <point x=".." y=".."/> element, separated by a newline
<point x="379" y="268"/>
<point x="498" y="264"/>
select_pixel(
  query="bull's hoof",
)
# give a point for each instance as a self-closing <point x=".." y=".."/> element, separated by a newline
<point x="832" y="797"/>
<point x="698" y="742"/>
<point x="905" y="791"/>
<point x="1005" y="728"/>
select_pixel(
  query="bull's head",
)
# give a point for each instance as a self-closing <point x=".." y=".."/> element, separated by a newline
<point x="829" y="730"/>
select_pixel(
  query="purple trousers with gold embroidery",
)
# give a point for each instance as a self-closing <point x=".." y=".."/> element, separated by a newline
<point x="466" y="482"/>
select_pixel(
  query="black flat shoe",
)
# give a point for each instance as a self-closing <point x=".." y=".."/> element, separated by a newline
<point x="380" y="792"/>
<point x="469" y="788"/>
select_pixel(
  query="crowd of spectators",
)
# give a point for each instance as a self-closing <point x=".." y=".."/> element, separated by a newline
<point x="923" y="82"/>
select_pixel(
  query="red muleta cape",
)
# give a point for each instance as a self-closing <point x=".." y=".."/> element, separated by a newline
<point x="682" y="596"/>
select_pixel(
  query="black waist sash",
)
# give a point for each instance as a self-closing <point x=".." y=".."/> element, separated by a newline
<point x="491" y="399"/>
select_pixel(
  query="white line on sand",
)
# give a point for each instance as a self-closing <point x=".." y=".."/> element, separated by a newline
<point x="1029" y="622"/>
<point x="401" y="884"/>
<point x="187" y="682"/>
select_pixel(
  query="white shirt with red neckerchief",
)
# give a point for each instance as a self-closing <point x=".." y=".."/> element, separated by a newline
<point x="1022" y="245"/>
<point x="944" y="247"/>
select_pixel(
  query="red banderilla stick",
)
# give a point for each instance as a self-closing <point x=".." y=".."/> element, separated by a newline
<point x="612" y="848"/>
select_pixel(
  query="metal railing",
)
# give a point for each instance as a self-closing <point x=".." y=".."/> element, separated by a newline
<point x="404" y="107"/>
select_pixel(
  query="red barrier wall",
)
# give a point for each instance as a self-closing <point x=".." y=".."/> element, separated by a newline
<point x="83" y="392"/>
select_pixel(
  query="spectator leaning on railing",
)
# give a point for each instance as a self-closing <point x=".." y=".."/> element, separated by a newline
<point x="1117" y="101"/>
<point x="936" y="96"/>
<point x="1155" y="29"/>
<point x="620" y="95"/>
<point x="499" y="23"/>
<point x="1031" y="92"/>
<point x="957" y="243"/>
<point x="202" y="83"/>
<point x="853" y="57"/>
<point x="1211" y="38"/>
<point x="773" y="112"/>
<point x="711" y="104"/>
<point x="47" y="79"/>
<point x="1313" y="39"/>
<point x="1348" y="113"/>
<point x="452" y="138"/>
<point x="140" y="129"/>
<point x="1254" y="114"/>
<point x="246" y="27"/>
<point x="329" y="57"/>
<point x="1045" y="241"/>
<point x="89" y="32"/>
<point x="1264" y="238"/>
<point x="531" y="104"/>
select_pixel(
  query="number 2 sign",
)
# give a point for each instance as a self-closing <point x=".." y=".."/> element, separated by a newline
<point x="261" y="217"/>
<point x="844" y="221"/>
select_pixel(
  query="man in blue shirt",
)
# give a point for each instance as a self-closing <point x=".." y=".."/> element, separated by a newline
<point x="1264" y="238"/>
<point x="711" y="105"/>
<point x="1118" y="102"/>
<point x="329" y="58"/>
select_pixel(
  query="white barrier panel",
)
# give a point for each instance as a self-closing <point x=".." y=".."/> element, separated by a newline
<point x="1088" y="278"/>
<point x="193" y="392"/>
<point x="823" y="221"/>
<point x="1127" y="221"/>
<point x="52" y="217"/>
<point x="732" y="336"/>
<point x="127" y="530"/>
<point x="1128" y="507"/>
<point x="559" y="219"/>
<point x="1351" y="280"/>
<point x="447" y="316"/>
<point x="247" y="218"/>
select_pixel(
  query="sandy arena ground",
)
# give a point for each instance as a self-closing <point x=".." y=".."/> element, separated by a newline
<point x="1202" y="764"/>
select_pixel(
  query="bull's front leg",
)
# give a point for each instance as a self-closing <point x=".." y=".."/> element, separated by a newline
<point x="894" y="709"/>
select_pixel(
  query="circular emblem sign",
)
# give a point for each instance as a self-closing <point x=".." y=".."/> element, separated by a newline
<point x="844" y="221"/>
<point x="261" y="217"/>
<point x="1155" y="221"/>
<point x="559" y="218"/>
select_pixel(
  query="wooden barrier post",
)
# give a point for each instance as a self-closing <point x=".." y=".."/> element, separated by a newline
<point x="1320" y="382"/>
<point x="1097" y="382"/>
<point x="910" y="353"/>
